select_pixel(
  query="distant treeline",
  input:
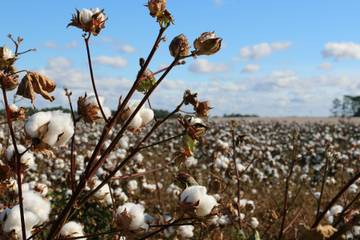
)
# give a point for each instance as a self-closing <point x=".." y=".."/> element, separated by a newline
<point x="234" y="115"/>
<point x="348" y="106"/>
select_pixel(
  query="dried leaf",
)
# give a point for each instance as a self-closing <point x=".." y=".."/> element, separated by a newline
<point x="36" y="83"/>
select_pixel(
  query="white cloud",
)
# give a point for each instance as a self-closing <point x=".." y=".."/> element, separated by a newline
<point x="127" y="48"/>
<point x="204" y="66"/>
<point x="325" y="66"/>
<point x="341" y="50"/>
<point x="250" y="68"/>
<point x="51" y="45"/>
<point x="115" y="62"/>
<point x="262" y="50"/>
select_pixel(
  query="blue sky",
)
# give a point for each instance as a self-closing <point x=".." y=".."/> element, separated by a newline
<point x="279" y="58"/>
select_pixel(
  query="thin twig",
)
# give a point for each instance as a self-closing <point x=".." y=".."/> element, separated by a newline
<point x="236" y="172"/>
<point x="87" y="38"/>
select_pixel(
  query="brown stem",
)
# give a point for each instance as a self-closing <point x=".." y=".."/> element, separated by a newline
<point x="236" y="172"/>
<point x="162" y="141"/>
<point x="134" y="175"/>
<point x="322" y="185"/>
<point x="17" y="157"/>
<point x="92" y="77"/>
<point x="286" y="191"/>
<point x="72" y="154"/>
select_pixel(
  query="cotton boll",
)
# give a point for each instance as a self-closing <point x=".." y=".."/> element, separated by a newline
<point x="191" y="161"/>
<point x="186" y="231"/>
<point x="207" y="203"/>
<point x="192" y="194"/>
<point x="136" y="214"/>
<point x="35" y="122"/>
<point x="336" y="209"/>
<point x="27" y="158"/>
<point x="85" y="16"/>
<point x="146" y="115"/>
<point x="60" y="129"/>
<point x="72" y="229"/>
<point x="13" y="221"/>
<point x="132" y="185"/>
<point x="196" y="195"/>
<point x="136" y="122"/>
<point x="254" y="222"/>
<point x="33" y="202"/>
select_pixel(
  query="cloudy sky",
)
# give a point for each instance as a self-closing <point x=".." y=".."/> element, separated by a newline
<point x="279" y="58"/>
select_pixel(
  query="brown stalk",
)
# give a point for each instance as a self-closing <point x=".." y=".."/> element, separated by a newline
<point x="17" y="158"/>
<point x="237" y="173"/>
<point x="322" y="184"/>
<point x="87" y="38"/>
<point x="286" y="191"/>
<point x="72" y="154"/>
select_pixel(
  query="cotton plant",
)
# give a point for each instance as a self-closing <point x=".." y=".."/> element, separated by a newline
<point x="50" y="139"/>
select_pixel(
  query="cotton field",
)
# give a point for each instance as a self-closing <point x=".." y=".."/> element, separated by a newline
<point x="157" y="186"/>
<point x="96" y="170"/>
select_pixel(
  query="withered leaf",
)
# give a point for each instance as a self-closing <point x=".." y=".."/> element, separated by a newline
<point x="33" y="83"/>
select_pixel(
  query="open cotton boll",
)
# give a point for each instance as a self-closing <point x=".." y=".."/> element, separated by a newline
<point x="85" y="16"/>
<point x="53" y="128"/>
<point x="136" y="213"/>
<point x="35" y="121"/>
<point x="72" y="229"/>
<point x="192" y="194"/>
<point x="254" y="222"/>
<point x="13" y="221"/>
<point x="60" y="129"/>
<point x="34" y="202"/>
<point x="27" y="158"/>
<point x="197" y="196"/>
<point x="186" y="231"/>
<point x="206" y="204"/>
<point x="136" y="122"/>
<point x="146" y="115"/>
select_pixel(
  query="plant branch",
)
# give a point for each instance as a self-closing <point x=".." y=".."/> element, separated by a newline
<point x="87" y="38"/>
<point x="17" y="158"/>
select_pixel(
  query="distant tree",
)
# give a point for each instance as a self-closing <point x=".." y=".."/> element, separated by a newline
<point x="336" y="109"/>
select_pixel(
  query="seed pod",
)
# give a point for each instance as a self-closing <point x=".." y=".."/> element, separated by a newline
<point x="207" y="44"/>
<point x="202" y="109"/>
<point x="156" y="7"/>
<point x="179" y="46"/>
<point x="147" y="81"/>
<point x="8" y="82"/>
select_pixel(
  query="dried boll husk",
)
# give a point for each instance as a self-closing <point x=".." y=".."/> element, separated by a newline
<point x="156" y="7"/>
<point x="179" y="46"/>
<point x="33" y="83"/>
<point x="8" y="82"/>
<point x="207" y="44"/>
